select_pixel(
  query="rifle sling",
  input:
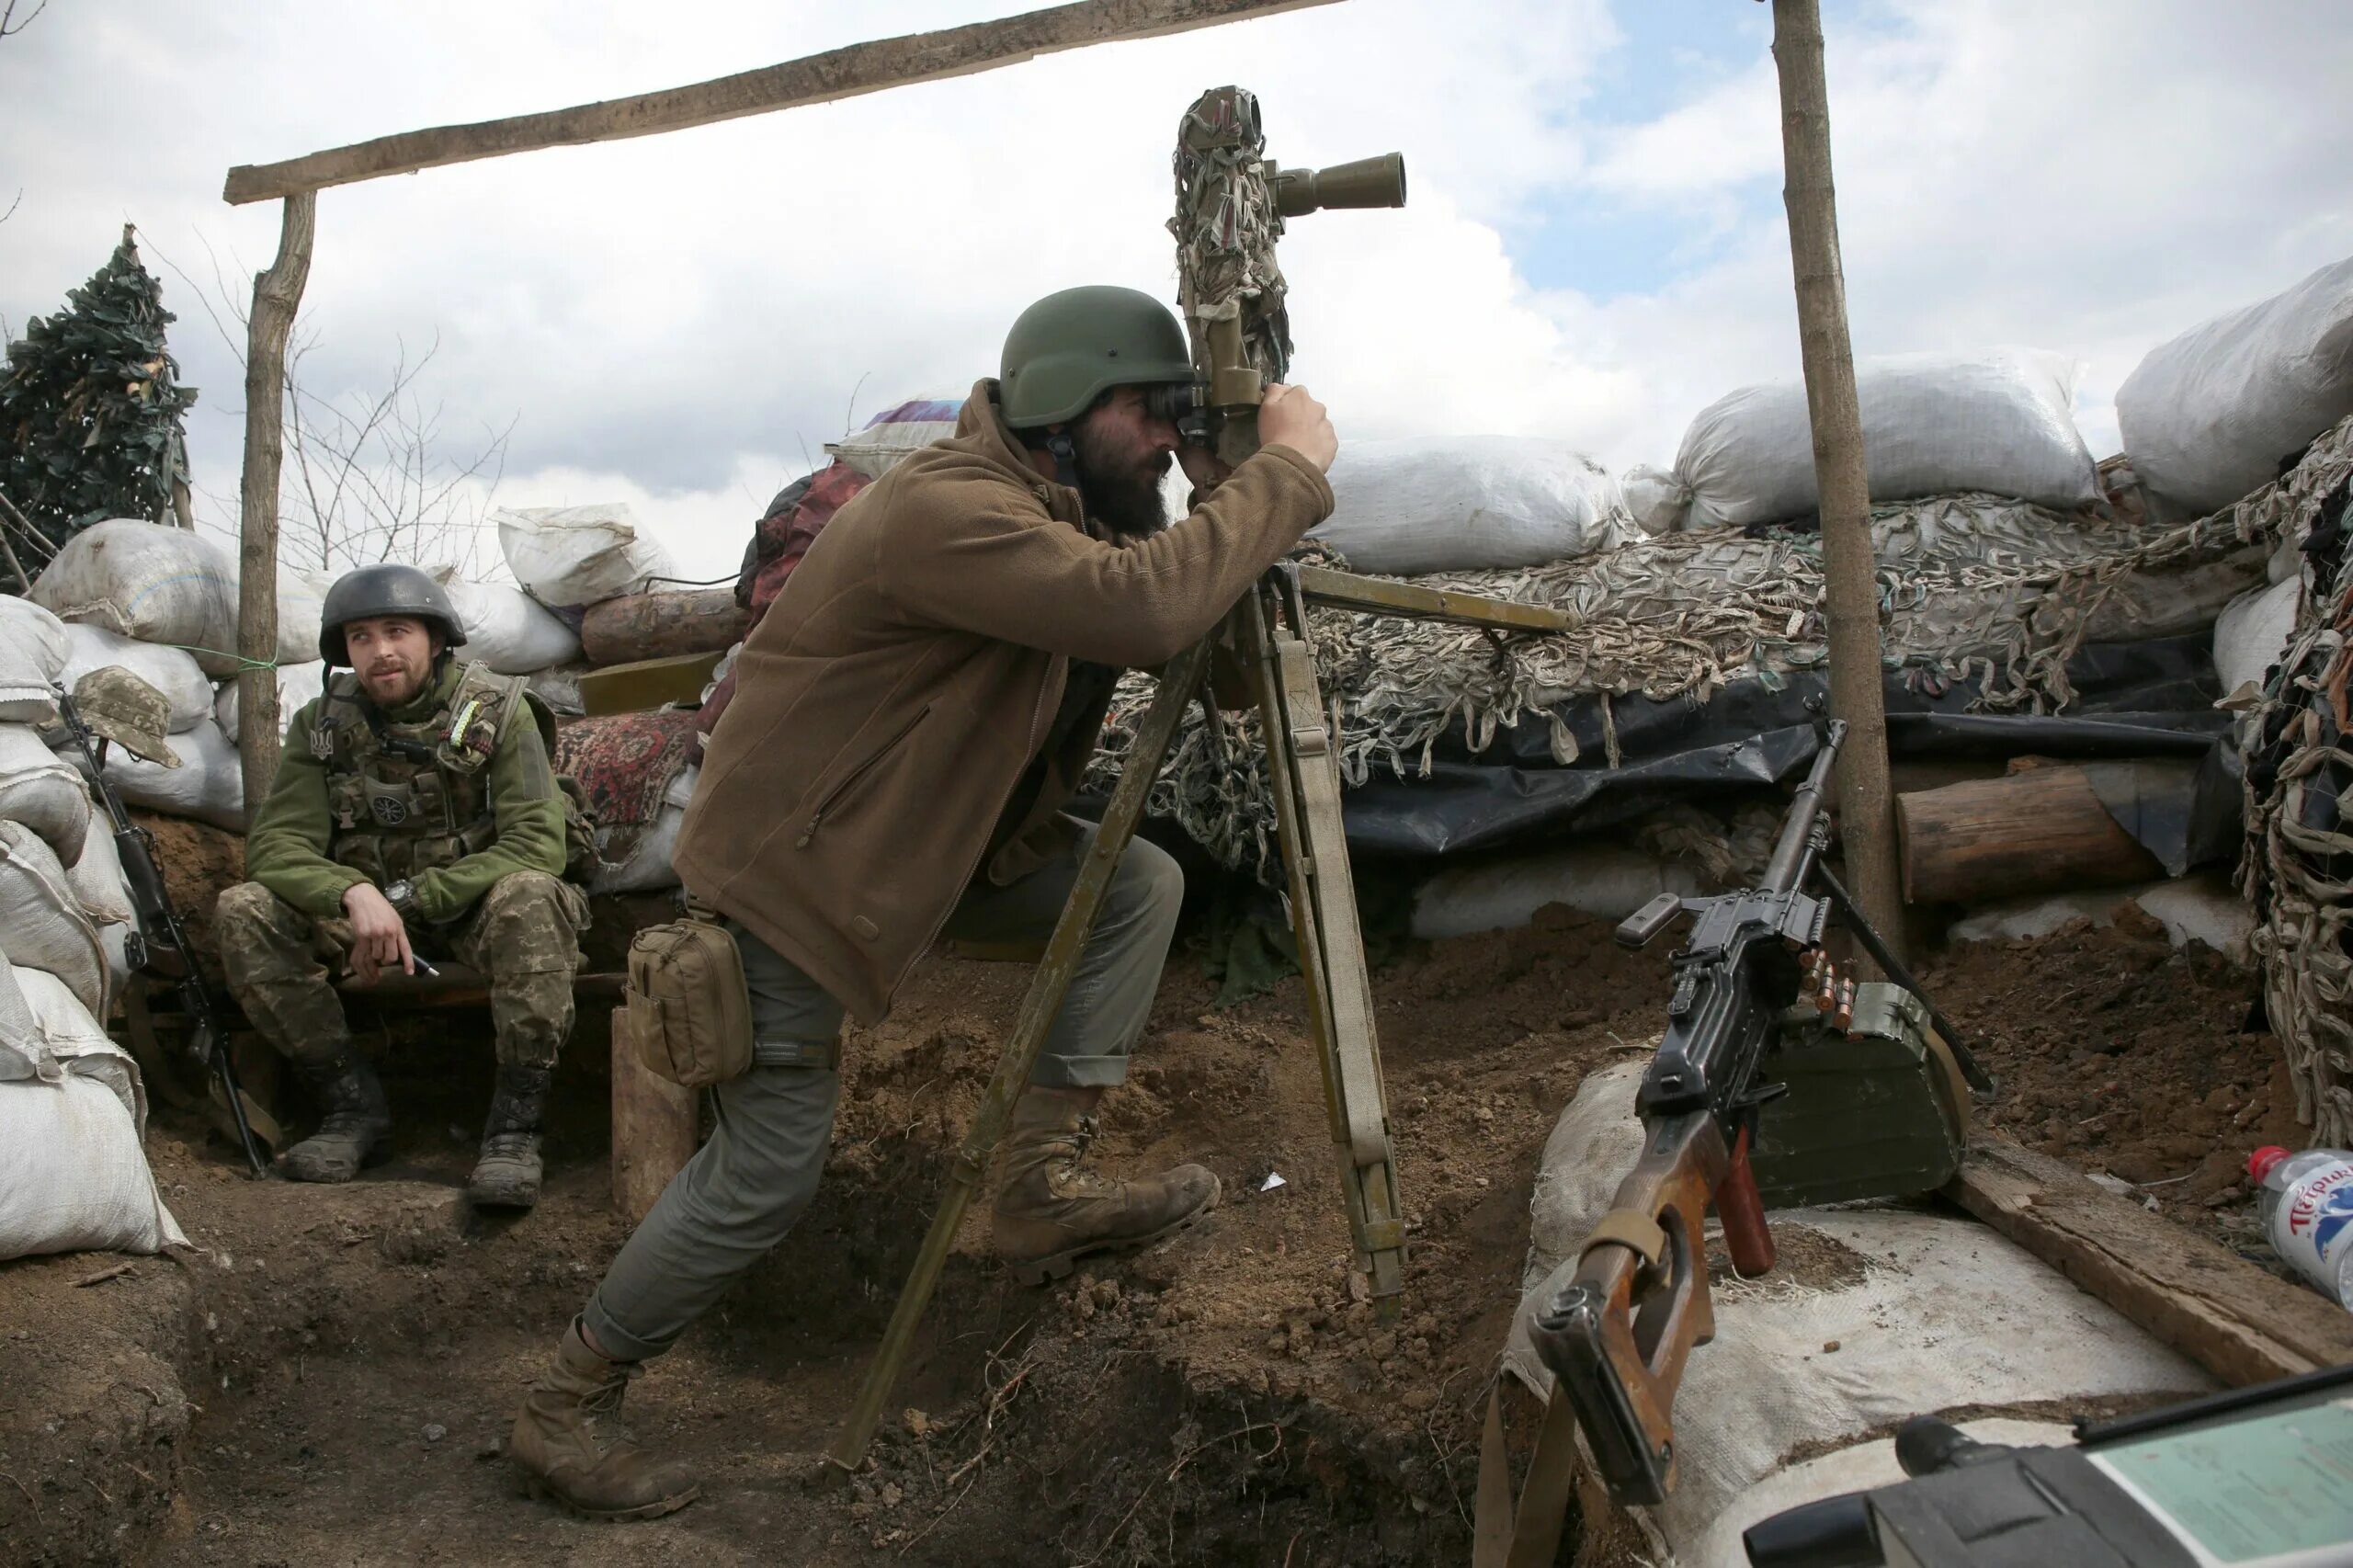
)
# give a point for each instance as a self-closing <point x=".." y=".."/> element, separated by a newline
<point x="1628" y="1228"/>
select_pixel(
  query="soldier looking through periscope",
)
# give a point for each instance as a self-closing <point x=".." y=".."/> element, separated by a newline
<point x="416" y="807"/>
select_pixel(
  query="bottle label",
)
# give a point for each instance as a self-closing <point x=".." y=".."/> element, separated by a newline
<point x="2321" y="1211"/>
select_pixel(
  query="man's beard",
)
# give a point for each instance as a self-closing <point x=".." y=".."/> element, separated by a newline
<point x="1129" y="504"/>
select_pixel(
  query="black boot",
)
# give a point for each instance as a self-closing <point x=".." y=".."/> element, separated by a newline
<point x="508" y="1174"/>
<point x="358" y="1126"/>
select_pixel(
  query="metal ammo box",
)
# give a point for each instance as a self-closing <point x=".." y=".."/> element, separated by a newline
<point x="1877" y="1111"/>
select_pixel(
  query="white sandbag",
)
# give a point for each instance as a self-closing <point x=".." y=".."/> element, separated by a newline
<point x="43" y="790"/>
<point x="2201" y="907"/>
<point x="1470" y="504"/>
<point x="572" y="556"/>
<point x="1858" y="1468"/>
<point x="73" y="1175"/>
<point x="1655" y="499"/>
<point x="171" y="671"/>
<point x="1946" y="1313"/>
<point x="647" y="867"/>
<point x="510" y="632"/>
<point x="2001" y="421"/>
<point x="207" y="785"/>
<point x="97" y="877"/>
<point x="150" y="582"/>
<point x="32" y="656"/>
<point x="1603" y="881"/>
<point x="2209" y="415"/>
<point x="302" y="600"/>
<point x="42" y="924"/>
<point x="297" y="684"/>
<point x="2253" y="631"/>
<point x="895" y="432"/>
<point x="21" y="1055"/>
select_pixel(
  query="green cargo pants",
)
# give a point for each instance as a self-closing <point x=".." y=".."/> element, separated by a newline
<point x="744" y="1188"/>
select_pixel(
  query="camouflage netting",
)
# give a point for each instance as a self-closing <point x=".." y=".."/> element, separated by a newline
<point x="2298" y="870"/>
<point x="1973" y="587"/>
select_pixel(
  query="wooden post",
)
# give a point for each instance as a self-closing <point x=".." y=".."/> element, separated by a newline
<point x="1866" y="805"/>
<point x="277" y="293"/>
<point x="654" y="1128"/>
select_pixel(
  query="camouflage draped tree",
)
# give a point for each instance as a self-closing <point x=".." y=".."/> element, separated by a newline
<point x="91" y="404"/>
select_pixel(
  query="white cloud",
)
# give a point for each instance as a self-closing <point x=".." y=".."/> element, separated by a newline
<point x="681" y="321"/>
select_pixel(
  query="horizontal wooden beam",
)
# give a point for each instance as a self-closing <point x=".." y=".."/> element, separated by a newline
<point x="818" y="79"/>
<point x="2239" y="1322"/>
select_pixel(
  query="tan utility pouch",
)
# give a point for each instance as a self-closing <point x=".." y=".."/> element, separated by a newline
<point x="689" y="1012"/>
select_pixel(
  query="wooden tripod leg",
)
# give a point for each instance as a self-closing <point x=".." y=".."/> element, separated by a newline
<point x="1303" y="776"/>
<point x="1047" y="989"/>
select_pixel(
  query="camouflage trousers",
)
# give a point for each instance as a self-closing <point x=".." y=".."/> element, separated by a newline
<point x="523" y="937"/>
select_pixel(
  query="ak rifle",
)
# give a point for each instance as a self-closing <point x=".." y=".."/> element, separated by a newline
<point x="1618" y="1335"/>
<point x="160" y="946"/>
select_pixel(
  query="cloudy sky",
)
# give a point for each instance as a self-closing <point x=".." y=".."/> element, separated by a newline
<point x="1594" y="247"/>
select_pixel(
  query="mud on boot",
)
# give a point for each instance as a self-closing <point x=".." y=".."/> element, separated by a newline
<point x="358" y="1125"/>
<point x="507" y="1173"/>
<point x="571" y="1448"/>
<point x="1051" y="1211"/>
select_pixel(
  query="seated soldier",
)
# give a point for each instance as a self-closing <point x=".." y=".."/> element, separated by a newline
<point x="414" y="807"/>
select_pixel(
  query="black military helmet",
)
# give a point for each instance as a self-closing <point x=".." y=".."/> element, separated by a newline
<point x="388" y="589"/>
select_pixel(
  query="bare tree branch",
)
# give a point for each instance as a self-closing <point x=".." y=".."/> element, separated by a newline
<point x="8" y="11"/>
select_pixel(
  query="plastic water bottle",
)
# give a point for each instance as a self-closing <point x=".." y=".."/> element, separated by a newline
<point x="2307" y="1206"/>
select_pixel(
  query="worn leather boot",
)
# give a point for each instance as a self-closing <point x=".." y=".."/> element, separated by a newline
<point x="508" y="1174"/>
<point x="1051" y="1211"/>
<point x="358" y="1124"/>
<point x="569" y="1443"/>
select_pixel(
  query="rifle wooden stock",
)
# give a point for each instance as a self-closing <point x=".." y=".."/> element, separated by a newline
<point x="1618" y="1335"/>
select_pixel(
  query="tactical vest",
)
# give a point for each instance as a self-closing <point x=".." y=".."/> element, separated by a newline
<point x="404" y="798"/>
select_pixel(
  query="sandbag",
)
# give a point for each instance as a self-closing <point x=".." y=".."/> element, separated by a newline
<point x="1655" y="499"/>
<point x="646" y="868"/>
<point x="301" y="603"/>
<point x="1604" y="880"/>
<point x="2005" y="1328"/>
<point x="2253" y="631"/>
<point x="43" y="790"/>
<point x="207" y="785"/>
<point x="1470" y="504"/>
<point x="509" y="632"/>
<point x="572" y="556"/>
<point x="2201" y="907"/>
<point x="892" y="435"/>
<point x="297" y="684"/>
<point x="32" y="656"/>
<point x="2001" y="421"/>
<point x="2213" y="415"/>
<point x="150" y="582"/>
<point x="42" y="924"/>
<point x="73" y="1175"/>
<point x="97" y="878"/>
<point x="171" y="671"/>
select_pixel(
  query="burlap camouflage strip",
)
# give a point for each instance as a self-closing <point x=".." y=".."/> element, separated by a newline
<point x="2299" y="765"/>
<point x="1973" y="587"/>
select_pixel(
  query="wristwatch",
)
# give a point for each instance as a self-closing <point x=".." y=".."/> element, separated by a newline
<point x="401" y="897"/>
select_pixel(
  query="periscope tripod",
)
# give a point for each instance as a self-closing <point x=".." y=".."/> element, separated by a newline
<point x="1265" y="634"/>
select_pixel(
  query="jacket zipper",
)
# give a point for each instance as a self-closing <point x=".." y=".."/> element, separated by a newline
<point x="834" y="795"/>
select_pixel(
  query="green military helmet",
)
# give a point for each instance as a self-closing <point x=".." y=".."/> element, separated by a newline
<point x="1069" y="348"/>
<point x="388" y="589"/>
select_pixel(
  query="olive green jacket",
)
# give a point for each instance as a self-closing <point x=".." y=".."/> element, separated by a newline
<point x="288" y="844"/>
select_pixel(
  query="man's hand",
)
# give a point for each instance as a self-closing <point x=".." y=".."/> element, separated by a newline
<point x="1290" y="416"/>
<point x="378" y="940"/>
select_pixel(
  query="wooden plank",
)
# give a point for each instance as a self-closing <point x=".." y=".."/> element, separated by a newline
<point x="278" y="293"/>
<point x="818" y="79"/>
<point x="655" y="1127"/>
<point x="2223" y="1312"/>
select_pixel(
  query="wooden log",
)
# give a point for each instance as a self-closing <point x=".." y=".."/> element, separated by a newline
<point x="2231" y="1318"/>
<point x="818" y="79"/>
<point x="654" y="1128"/>
<point x="2038" y="830"/>
<point x="1867" y="832"/>
<point x="278" y="293"/>
<point x="662" y="626"/>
